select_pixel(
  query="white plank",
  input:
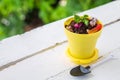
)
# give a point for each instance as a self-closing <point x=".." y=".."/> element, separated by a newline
<point x="54" y="65"/>
<point x="19" y="46"/>
<point x="107" y="71"/>
<point x="12" y="49"/>
<point x="45" y="36"/>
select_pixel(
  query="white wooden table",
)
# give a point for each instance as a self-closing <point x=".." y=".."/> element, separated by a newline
<point x="40" y="53"/>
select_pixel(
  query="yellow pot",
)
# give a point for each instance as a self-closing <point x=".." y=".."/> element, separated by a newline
<point x="81" y="49"/>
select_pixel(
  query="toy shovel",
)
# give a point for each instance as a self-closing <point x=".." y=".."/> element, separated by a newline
<point x="81" y="70"/>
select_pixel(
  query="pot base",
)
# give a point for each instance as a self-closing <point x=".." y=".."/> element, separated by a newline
<point x="83" y="61"/>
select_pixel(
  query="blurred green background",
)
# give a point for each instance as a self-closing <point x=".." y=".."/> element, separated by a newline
<point x="18" y="16"/>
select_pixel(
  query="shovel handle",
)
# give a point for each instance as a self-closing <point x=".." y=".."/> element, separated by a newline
<point x="101" y="61"/>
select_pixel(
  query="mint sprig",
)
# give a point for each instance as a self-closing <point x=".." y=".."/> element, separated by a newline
<point x="83" y="19"/>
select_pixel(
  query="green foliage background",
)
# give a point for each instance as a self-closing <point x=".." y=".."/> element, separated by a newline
<point x="13" y="12"/>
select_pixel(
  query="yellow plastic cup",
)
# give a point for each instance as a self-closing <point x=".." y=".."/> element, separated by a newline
<point x="81" y="49"/>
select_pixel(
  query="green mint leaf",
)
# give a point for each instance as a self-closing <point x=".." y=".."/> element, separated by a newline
<point x="85" y="16"/>
<point x="86" y="22"/>
<point x="77" y="18"/>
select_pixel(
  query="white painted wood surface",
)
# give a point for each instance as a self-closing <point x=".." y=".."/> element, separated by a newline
<point x="39" y="58"/>
<point x="20" y="46"/>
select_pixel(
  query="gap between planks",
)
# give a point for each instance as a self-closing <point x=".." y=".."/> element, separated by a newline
<point x="46" y="49"/>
